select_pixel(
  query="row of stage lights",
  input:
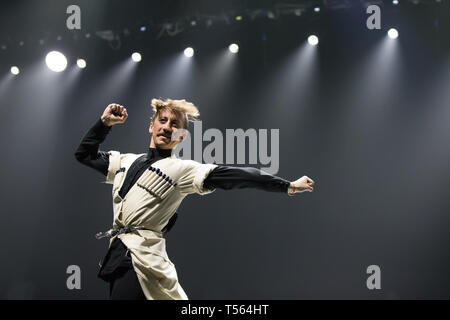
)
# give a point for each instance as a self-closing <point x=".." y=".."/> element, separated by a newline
<point x="57" y="62"/>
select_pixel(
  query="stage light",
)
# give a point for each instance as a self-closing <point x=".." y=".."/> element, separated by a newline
<point x="393" y="33"/>
<point x="395" y="2"/>
<point x="56" y="61"/>
<point x="189" y="52"/>
<point x="270" y="15"/>
<point x="81" y="63"/>
<point x="15" y="70"/>
<point x="136" y="57"/>
<point x="316" y="9"/>
<point x="234" y="48"/>
<point x="313" y="40"/>
<point x="143" y="28"/>
<point x="239" y="18"/>
<point x="193" y="23"/>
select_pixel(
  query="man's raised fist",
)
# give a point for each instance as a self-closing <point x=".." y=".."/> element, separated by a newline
<point x="114" y="114"/>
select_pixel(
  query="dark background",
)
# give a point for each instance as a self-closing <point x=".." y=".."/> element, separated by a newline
<point x="366" y="117"/>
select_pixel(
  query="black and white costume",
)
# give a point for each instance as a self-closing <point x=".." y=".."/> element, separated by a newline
<point x="147" y="191"/>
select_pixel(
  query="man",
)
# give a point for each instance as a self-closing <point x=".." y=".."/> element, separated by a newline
<point x="147" y="191"/>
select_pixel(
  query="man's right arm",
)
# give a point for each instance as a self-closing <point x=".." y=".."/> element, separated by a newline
<point x="88" y="152"/>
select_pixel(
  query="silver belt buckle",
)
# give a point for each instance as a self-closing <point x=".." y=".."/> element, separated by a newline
<point x="111" y="232"/>
<point x="107" y="234"/>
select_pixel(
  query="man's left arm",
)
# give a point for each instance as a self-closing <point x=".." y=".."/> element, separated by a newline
<point x="227" y="177"/>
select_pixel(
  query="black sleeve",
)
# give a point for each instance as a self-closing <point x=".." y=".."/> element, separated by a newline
<point x="88" y="153"/>
<point x="226" y="177"/>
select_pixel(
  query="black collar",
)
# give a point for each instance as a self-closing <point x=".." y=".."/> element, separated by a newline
<point x="159" y="153"/>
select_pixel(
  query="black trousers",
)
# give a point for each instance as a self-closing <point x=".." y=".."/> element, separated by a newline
<point x="126" y="287"/>
<point x="117" y="269"/>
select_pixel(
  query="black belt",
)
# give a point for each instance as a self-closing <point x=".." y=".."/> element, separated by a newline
<point x="113" y="232"/>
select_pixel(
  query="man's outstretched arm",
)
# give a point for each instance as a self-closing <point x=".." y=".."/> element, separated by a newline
<point x="227" y="177"/>
<point x="88" y="152"/>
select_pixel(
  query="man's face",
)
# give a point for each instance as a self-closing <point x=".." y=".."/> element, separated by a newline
<point x="162" y="130"/>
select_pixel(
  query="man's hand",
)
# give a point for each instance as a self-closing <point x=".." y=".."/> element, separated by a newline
<point x="301" y="185"/>
<point x="114" y="114"/>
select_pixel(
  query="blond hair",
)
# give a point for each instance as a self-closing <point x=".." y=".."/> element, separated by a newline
<point x="187" y="109"/>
